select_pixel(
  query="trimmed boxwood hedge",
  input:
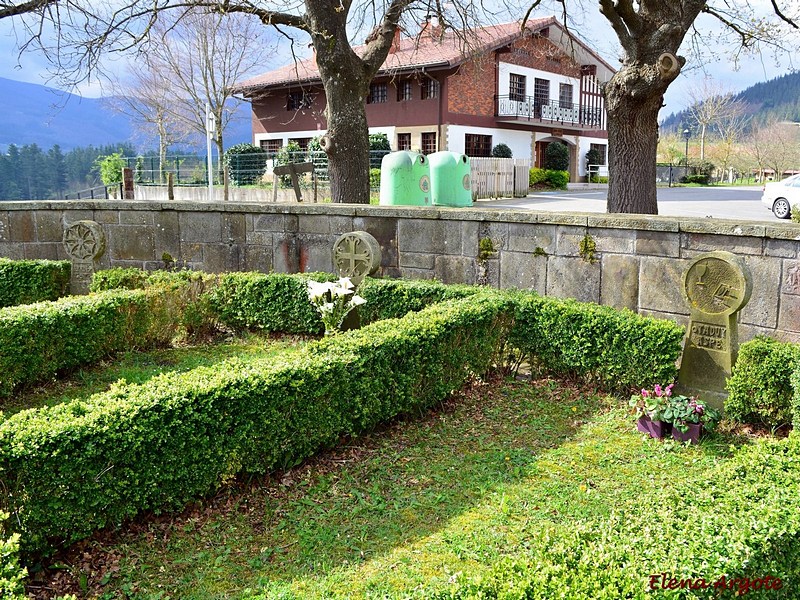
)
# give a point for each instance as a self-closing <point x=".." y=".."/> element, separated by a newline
<point x="618" y="349"/>
<point x="27" y="281"/>
<point x="39" y="340"/>
<point x="76" y="467"/>
<point x="743" y="522"/>
<point x="795" y="381"/>
<point x="12" y="574"/>
<point x="759" y="387"/>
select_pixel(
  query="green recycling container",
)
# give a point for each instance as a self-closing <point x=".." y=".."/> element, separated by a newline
<point x="451" y="179"/>
<point x="405" y="179"/>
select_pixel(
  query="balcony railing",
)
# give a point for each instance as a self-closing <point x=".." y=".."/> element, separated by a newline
<point x="529" y="108"/>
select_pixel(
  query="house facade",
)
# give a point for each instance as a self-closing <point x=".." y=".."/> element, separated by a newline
<point x="525" y="88"/>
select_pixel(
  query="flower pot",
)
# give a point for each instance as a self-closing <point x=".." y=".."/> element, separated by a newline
<point x="691" y="435"/>
<point x="655" y="429"/>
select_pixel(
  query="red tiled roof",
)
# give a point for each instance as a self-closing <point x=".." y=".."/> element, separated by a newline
<point x="409" y="53"/>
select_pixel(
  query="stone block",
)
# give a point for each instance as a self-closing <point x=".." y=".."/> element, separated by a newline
<point x="619" y="281"/>
<point x="291" y="222"/>
<point x="523" y="237"/>
<point x="285" y="253"/>
<point x="166" y="230"/>
<point x="385" y="230"/>
<point x="191" y="253"/>
<point x="425" y="235"/>
<point x="47" y="251"/>
<point x="257" y="258"/>
<point x="260" y="238"/>
<point x="340" y="225"/>
<point x="681" y="319"/>
<point x="234" y="229"/>
<point x="748" y="332"/>
<point x="762" y="309"/>
<point x="313" y="224"/>
<point x="497" y="232"/>
<point x="789" y="315"/>
<point x="220" y="258"/>
<point x="658" y="243"/>
<point x="132" y="242"/>
<point x="632" y="222"/>
<point x="569" y="277"/>
<point x="4" y="227"/>
<point x="200" y="227"/>
<point x="269" y="222"/>
<point x="135" y="217"/>
<point x="21" y="227"/>
<point x="568" y="240"/>
<point x="523" y="271"/>
<point x="780" y="248"/>
<point x="104" y="217"/>
<point x="316" y="253"/>
<point x="49" y="226"/>
<point x="470" y="236"/>
<point x="455" y="269"/>
<point x="707" y="242"/>
<point x="417" y="260"/>
<point x="661" y="284"/>
<point x="407" y="273"/>
<point x="790" y="277"/>
<point x="618" y="241"/>
<point x="12" y="251"/>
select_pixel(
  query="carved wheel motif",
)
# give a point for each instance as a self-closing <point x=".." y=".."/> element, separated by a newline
<point x="356" y="255"/>
<point x="84" y="240"/>
<point x="716" y="284"/>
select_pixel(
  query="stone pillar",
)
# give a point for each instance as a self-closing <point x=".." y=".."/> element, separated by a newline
<point x="717" y="286"/>
<point x="84" y="242"/>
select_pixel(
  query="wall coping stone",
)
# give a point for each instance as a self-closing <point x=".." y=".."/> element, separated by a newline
<point x="782" y="231"/>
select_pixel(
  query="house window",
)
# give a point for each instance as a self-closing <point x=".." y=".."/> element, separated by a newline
<point x="516" y="87"/>
<point x="477" y="145"/>
<point x="271" y="146"/>
<point x="565" y="95"/>
<point x="404" y="90"/>
<point x="404" y="141"/>
<point x="429" y="142"/>
<point x="302" y="142"/>
<point x="298" y="101"/>
<point x="377" y="93"/>
<point x="430" y="89"/>
<point x="600" y="150"/>
<point x="541" y="94"/>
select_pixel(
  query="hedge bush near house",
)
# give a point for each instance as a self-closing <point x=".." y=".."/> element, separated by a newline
<point x="76" y="467"/>
<point x="12" y="575"/>
<point x="548" y="177"/>
<point x="618" y="349"/>
<point x="743" y="523"/>
<point x="27" y="281"/>
<point x="39" y="340"/>
<point x="759" y="389"/>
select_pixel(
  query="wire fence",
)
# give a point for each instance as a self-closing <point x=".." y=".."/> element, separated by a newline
<point x="245" y="169"/>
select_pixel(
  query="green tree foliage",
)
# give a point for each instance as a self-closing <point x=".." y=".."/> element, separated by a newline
<point x="556" y="157"/>
<point x="502" y="151"/>
<point x="246" y="163"/>
<point x="110" y="168"/>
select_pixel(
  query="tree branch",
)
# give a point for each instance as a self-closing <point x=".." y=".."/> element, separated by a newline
<point x="12" y="10"/>
<point x="609" y="10"/>
<point x="783" y="17"/>
<point x="381" y="38"/>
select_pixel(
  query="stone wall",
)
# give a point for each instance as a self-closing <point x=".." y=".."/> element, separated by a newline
<point x="638" y="261"/>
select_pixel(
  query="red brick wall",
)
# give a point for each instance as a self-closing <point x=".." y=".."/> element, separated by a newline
<point x="542" y="54"/>
<point x="471" y="90"/>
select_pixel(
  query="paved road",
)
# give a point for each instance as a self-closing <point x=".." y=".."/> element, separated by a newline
<point x="717" y="202"/>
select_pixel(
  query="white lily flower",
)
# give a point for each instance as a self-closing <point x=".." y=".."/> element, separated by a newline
<point x="317" y="289"/>
<point x="345" y="283"/>
<point x="357" y="301"/>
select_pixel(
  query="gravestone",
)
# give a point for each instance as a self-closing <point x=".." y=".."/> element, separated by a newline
<point x="84" y="242"/>
<point x="356" y="255"/>
<point x="717" y="286"/>
<point x="292" y="170"/>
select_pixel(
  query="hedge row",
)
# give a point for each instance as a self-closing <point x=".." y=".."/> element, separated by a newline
<point x="617" y="349"/>
<point x="27" y="281"/>
<point x="12" y="574"/>
<point x="759" y="388"/>
<point x="39" y="340"/>
<point x="742" y="523"/>
<point x="76" y="467"/>
<point x="795" y="381"/>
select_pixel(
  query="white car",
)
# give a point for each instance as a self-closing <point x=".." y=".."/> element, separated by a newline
<point x="781" y="196"/>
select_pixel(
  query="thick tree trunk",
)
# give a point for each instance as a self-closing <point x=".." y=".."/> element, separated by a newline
<point x="633" y="98"/>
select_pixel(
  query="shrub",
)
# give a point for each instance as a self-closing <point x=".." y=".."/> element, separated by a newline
<point x="11" y="573"/>
<point x="290" y="153"/>
<point x="79" y="466"/>
<point x="39" y="340"/>
<point x="557" y="179"/>
<point x="374" y="179"/>
<point x="502" y="151"/>
<point x="556" y="157"/>
<point x="795" y="381"/>
<point x="119" y="279"/>
<point x="595" y="157"/>
<point x="110" y="168"/>
<point x="759" y="389"/>
<point x="536" y="175"/>
<point x="741" y="523"/>
<point x="246" y="163"/>
<point x="700" y="179"/>
<point x="618" y="349"/>
<point x="379" y="147"/>
<point x="26" y="281"/>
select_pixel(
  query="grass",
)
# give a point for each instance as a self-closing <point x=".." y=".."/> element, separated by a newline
<point x="139" y="366"/>
<point x="408" y="508"/>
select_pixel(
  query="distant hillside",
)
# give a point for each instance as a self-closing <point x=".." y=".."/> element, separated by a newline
<point x="35" y="114"/>
<point x="776" y="99"/>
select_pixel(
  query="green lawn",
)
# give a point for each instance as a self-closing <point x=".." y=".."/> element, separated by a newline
<point x="139" y="366"/>
<point x="406" y="510"/>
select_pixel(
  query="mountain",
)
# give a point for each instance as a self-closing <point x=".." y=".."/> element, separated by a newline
<point x="36" y="114"/>
<point x="776" y="99"/>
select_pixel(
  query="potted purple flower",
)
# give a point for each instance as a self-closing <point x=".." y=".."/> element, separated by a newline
<point x="690" y="416"/>
<point x="650" y="407"/>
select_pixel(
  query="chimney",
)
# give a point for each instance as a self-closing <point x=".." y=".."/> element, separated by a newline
<point x="395" y="41"/>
